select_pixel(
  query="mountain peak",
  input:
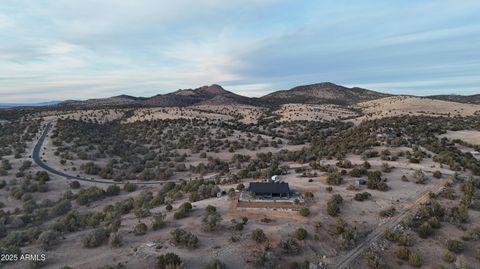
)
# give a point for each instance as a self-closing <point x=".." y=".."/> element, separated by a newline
<point x="325" y="84"/>
<point x="318" y="93"/>
<point x="213" y="89"/>
<point x="127" y="97"/>
<point x="323" y="93"/>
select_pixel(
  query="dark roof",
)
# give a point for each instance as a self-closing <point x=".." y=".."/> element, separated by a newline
<point x="269" y="187"/>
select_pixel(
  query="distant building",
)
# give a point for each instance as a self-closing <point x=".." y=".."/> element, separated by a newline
<point x="270" y="189"/>
<point x="221" y="193"/>
<point x="361" y="181"/>
<point x="387" y="133"/>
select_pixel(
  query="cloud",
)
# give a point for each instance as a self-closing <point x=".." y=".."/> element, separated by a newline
<point x="87" y="49"/>
<point x="6" y="22"/>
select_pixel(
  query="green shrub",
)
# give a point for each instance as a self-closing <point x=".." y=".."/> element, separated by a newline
<point x="373" y="261"/>
<point x="289" y="246"/>
<point x="85" y="196"/>
<point x="420" y="177"/>
<point x="337" y="198"/>
<point x="434" y="223"/>
<point x="300" y="233"/>
<point x="449" y="256"/>
<point x="169" y="260"/>
<point x="240" y="187"/>
<point x="403" y="253"/>
<point x="112" y="190"/>
<point x="115" y="240"/>
<point x="211" y="218"/>
<point x="182" y="237"/>
<point x="74" y="184"/>
<point x="259" y="236"/>
<point x="48" y="238"/>
<point x="414" y="260"/>
<point x="140" y="229"/>
<point x="405" y="239"/>
<point x="455" y="246"/>
<point x="334" y="178"/>
<point x="358" y="172"/>
<point x="332" y="208"/>
<point x="389" y="212"/>
<point x="129" y="187"/>
<point x="424" y="230"/>
<point x="215" y="264"/>
<point x="183" y="211"/>
<point x="61" y="208"/>
<point x="390" y="235"/>
<point x="42" y="176"/>
<point x="374" y="181"/>
<point x="472" y="235"/>
<point x="265" y="259"/>
<point x="362" y="196"/>
<point x="304" y="211"/>
<point x="95" y="238"/>
<point x="158" y="222"/>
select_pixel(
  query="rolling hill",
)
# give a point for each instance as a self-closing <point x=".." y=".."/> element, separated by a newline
<point x="318" y="94"/>
<point x="13" y="105"/>
<point x="213" y="94"/>
<point x="466" y="99"/>
<point x="120" y="100"/>
<point x="322" y="93"/>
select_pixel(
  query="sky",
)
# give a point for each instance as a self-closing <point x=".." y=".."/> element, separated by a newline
<point x="80" y="49"/>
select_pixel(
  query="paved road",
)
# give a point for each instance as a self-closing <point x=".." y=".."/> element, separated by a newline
<point x="43" y="165"/>
<point x="349" y="259"/>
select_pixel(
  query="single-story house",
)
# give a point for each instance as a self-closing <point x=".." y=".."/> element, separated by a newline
<point x="270" y="189"/>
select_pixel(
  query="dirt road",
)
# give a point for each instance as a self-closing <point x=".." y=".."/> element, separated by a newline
<point x="349" y="259"/>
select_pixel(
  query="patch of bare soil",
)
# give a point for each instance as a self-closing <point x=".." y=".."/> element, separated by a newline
<point x="469" y="136"/>
<point x="408" y="105"/>
<point x="294" y="112"/>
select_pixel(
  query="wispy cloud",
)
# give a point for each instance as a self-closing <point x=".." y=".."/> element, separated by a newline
<point x="87" y="49"/>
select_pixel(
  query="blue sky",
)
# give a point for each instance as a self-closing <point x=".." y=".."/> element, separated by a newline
<point x="57" y="50"/>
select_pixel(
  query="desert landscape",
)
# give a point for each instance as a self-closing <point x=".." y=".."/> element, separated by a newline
<point x="319" y="176"/>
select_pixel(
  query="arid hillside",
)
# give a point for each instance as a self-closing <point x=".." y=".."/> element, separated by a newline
<point x="361" y="181"/>
<point x="408" y="105"/>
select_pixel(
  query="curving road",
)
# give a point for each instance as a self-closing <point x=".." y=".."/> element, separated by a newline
<point x="43" y="165"/>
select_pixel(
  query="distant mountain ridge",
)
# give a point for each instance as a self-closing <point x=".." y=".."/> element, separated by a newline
<point x="110" y="101"/>
<point x="11" y="105"/>
<point x="319" y="93"/>
<point x="467" y="99"/>
<point x="205" y="95"/>
<point x="323" y="93"/>
<point x="213" y="94"/>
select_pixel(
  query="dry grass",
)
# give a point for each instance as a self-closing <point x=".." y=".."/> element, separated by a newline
<point x="174" y="113"/>
<point x="246" y="114"/>
<point x="407" y="105"/>
<point x="100" y="115"/>
<point x="292" y="112"/>
<point x="469" y="136"/>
